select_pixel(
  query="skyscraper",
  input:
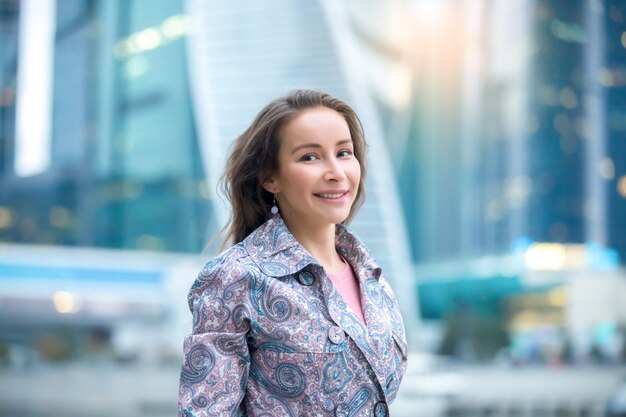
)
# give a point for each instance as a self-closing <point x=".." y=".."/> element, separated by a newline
<point x="124" y="170"/>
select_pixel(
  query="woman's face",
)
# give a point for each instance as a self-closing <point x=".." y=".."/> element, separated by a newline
<point x="318" y="175"/>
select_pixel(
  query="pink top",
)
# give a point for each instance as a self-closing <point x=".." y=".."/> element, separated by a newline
<point x="347" y="284"/>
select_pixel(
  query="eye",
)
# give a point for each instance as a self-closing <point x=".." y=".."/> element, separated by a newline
<point x="309" y="157"/>
<point x="344" y="153"/>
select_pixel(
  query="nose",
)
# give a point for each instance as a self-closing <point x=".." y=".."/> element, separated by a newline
<point x="334" y="170"/>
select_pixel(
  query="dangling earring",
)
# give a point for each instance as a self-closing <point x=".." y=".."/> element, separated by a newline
<point x="274" y="208"/>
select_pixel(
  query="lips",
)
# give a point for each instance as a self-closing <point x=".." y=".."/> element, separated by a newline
<point x="332" y="195"/>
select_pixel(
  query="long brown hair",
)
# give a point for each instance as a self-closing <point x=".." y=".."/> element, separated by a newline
<point x="254" y="158"/>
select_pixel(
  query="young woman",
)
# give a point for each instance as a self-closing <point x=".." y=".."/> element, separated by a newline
<point x="295" y="319"/>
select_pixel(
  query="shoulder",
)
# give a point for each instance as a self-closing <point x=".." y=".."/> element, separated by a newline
<point x="222" y="272"/>
<point x="219" y="298"/>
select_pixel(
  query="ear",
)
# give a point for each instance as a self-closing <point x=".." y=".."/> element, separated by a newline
<point x="270" y="185"/>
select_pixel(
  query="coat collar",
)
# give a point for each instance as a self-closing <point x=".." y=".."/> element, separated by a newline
<point x="277" y="253"/>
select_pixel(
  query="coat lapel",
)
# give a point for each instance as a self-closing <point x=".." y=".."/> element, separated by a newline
<point x="376" y="341"/>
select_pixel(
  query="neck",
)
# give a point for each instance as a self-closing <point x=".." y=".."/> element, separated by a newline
<point x="320" y="243"/>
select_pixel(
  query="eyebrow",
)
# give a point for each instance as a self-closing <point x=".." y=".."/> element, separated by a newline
<point x="316" y="145"/>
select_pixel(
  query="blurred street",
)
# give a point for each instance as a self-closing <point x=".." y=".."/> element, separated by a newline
<point x="498" y="391"/>
<point x="140" y="391"/>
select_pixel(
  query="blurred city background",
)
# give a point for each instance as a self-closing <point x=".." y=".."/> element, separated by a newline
<point x="496" y="189"/>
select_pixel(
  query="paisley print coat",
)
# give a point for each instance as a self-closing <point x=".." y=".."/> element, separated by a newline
<point x="272" y="337"/>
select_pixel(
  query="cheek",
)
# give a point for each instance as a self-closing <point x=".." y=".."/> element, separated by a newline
<point x="355" y="173"/>
<point x="299" y="180"/>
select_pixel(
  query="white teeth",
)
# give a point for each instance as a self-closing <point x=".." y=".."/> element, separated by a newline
<point x="330" y="195"/>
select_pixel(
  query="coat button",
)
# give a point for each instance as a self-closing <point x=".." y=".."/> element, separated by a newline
<point x="336" y="335"/>
<point x="381" y="409"/>
<point x="306" y="278"/>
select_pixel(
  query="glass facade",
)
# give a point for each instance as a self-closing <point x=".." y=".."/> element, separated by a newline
<point x="612" y="76"/>
<point x="125" y="166"/>
<point x="510" y="133"/>
<point x="9" y="27"/>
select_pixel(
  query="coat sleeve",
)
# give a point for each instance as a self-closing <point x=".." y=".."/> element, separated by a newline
<point x="216" y="357"/>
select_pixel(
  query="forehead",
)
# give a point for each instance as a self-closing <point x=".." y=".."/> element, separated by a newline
<point x="317" y="125"/>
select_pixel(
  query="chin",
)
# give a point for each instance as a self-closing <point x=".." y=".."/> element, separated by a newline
<point x="338" y="219"/>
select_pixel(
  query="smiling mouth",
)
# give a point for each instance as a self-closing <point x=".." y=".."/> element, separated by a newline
<point x="331" y="196"/>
